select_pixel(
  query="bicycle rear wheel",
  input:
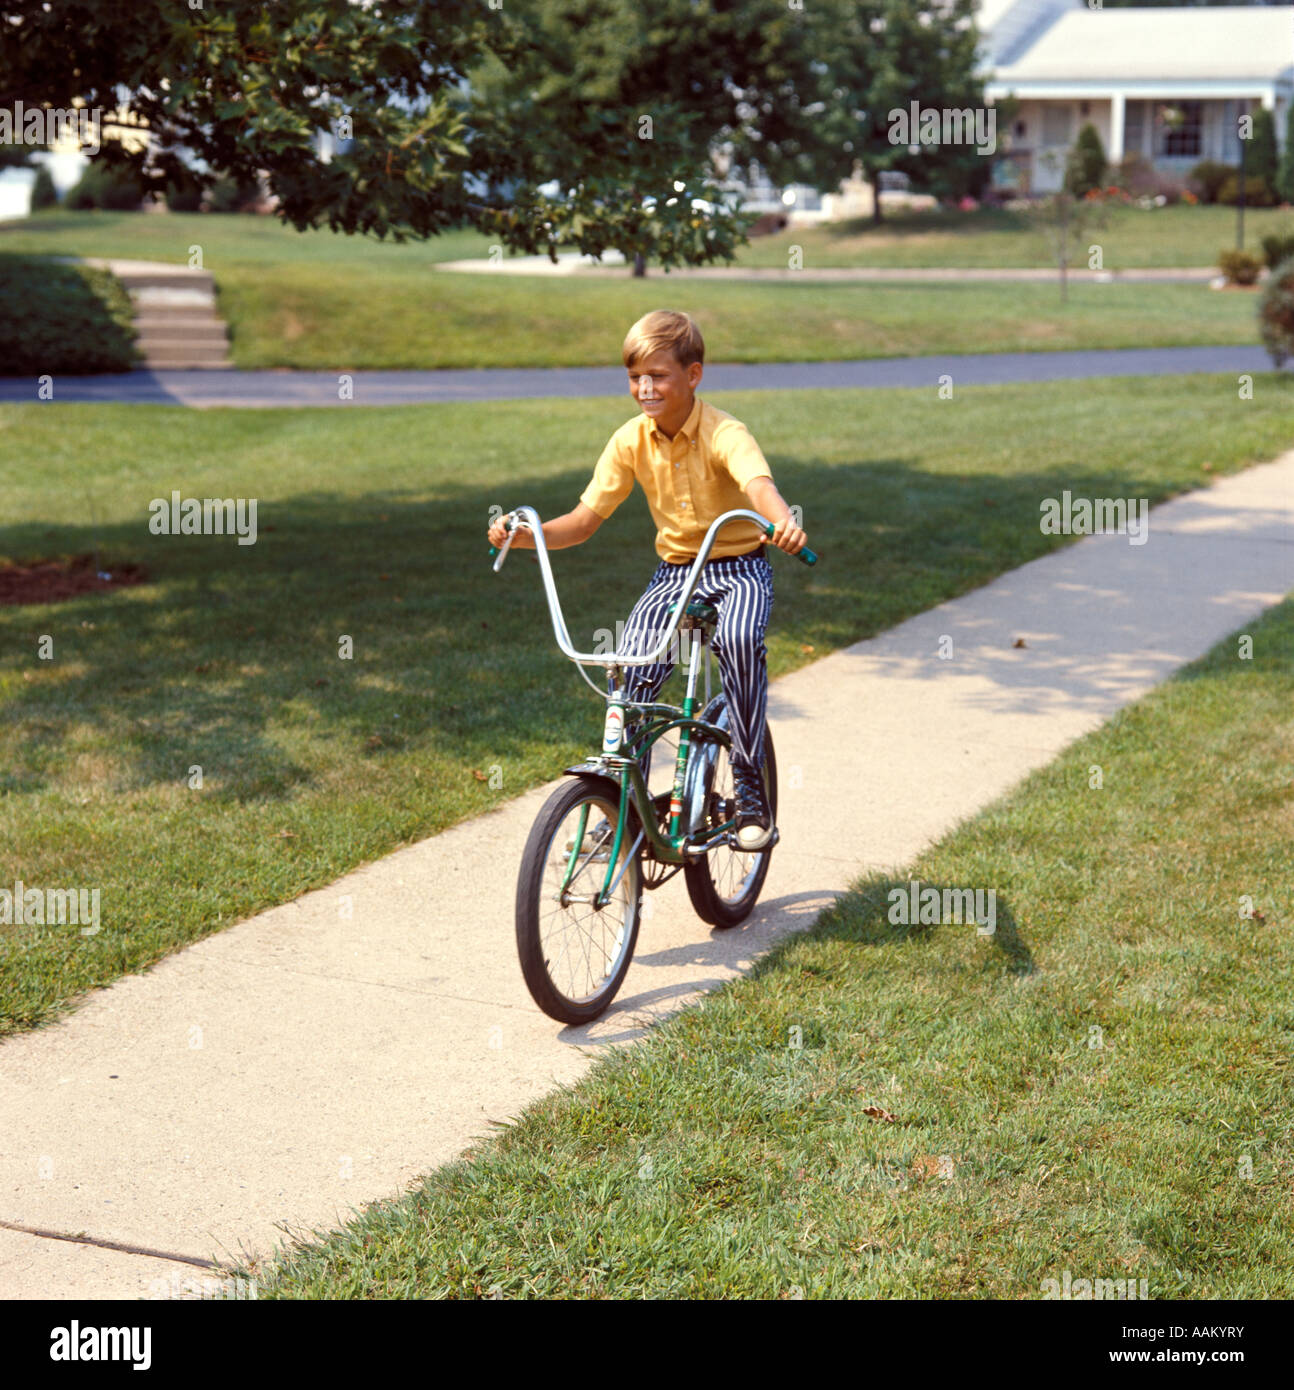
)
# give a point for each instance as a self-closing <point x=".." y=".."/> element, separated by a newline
<point x="725" y="884"/>
<point x="574" y="955"/>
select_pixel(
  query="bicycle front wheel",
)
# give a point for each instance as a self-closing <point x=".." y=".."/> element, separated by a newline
<point x="574" y="954"/>
<point x="725" y="884"/>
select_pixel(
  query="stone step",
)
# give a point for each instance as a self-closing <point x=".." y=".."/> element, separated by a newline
<point x="166" y="352"/>
<point x="182" y="364"/>
<point x="162" y="278"/>
<point x="181" y="330"/>
<point x="164" y="299"/>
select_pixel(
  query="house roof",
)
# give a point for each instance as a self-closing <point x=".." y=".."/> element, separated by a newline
<point x="1250" y="42"/>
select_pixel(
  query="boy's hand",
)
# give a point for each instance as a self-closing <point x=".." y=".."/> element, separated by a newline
<point x="498" y="533"/>
<point x="788" y="536"/>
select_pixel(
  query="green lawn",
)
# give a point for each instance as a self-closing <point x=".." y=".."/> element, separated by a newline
<point x="1171" y="236"/>
<point x="226" y="239"/>
<point x="334" y="303"/>
<point x="1098" y="1090"/>
<point x="371" y="525"/>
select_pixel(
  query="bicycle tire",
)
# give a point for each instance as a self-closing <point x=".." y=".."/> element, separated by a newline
<point x="708" y="875"/>
<point x="540" y="881"/>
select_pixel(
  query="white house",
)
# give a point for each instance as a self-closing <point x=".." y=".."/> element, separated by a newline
<point x="1168" y="84"/>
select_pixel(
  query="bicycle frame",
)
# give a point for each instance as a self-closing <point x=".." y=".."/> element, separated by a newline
<point x="689" y="780"/>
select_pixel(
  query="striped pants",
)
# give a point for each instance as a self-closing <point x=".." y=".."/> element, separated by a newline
<point x="741" y="589"/>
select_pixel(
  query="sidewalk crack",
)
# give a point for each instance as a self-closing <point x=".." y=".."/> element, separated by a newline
<point x="110" y="1245"/>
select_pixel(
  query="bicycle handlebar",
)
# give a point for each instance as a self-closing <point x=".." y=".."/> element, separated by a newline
<point x="529" y="518"/>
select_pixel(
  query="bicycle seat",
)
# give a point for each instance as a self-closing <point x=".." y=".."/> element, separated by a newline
<point x="700" y="610"/>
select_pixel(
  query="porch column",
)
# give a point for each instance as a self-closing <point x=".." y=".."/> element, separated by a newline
<point x="1115" y="153"/>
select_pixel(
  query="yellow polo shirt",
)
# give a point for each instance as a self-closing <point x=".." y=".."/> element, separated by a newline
<point x="689" y="480"/>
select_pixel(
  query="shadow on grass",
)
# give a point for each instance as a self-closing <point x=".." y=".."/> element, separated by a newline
<point x="866" y="916"/>
<point x="206" y="663"/>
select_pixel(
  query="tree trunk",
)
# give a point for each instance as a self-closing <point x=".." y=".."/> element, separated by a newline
<point x="640" y="265"/>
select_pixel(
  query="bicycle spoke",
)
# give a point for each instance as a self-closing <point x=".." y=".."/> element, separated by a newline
<point x="581" y="944"/>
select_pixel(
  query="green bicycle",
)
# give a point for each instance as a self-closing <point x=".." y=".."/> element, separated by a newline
<point x="602" y="839"/>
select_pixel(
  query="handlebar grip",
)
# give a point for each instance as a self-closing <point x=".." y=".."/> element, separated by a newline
<point x="810" y="557"/>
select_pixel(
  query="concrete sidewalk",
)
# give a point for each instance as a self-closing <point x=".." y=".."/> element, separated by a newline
<point x="320" y="1056"/>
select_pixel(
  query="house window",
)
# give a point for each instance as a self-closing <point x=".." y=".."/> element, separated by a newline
<point x="1055" y="124"/>
<point x="1181" y="124"/>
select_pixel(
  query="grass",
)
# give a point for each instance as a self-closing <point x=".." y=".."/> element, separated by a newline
<point x="324" y="302"/>
<point x="1180" y="235"/>
<point x="371" y="526"/>
<point x="1099" y="1088"/>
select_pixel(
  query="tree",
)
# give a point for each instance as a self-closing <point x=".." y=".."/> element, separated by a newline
<point x="886" y="56"/>
<point x="1085" y="170"/>
<point x="1285" y="174"/>
<point x="1065" y="222"/>
<point x="247" y="85"/>
<point x="680" y="92"/>
<point x="1260" y="158"/>
<point x="43" y="192"/>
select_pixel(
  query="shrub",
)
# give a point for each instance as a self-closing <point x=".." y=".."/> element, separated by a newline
<point x="184" y="195"/>
<point x="1207" y="178"/>
<point x="104" y="187"/>
<point x="1086" y="166"/>
<point x="230" y="195"/>
<point x="1276" y="313"/>
<point x="1257" y="194"/>
<point x="73" y="318"/>
<point x="1277" y="249"/>
<point x="1240" y="267"/>
<point x="1134" y="175"/>
<point x="43" y="192"/>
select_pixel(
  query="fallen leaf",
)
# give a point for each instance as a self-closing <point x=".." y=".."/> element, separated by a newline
<point x="877" y="1113"/>
<point x="478" y="774"/>
<point x="805" y="647"/>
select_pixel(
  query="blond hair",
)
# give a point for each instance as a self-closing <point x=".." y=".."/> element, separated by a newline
<point x="664" y="330"/>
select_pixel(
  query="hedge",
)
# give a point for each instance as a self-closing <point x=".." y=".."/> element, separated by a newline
<point x="63" y="318"/>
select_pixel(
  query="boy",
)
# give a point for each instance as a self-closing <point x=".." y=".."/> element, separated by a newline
<point x="694" y="463"/>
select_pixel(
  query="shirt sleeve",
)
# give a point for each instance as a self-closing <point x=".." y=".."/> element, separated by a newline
<point x="741" y="456"/>
<point x="612" y="481"/>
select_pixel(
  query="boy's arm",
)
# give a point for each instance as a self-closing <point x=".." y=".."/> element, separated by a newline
<point x="562" y="532"/>
<point x="765" y="499"/>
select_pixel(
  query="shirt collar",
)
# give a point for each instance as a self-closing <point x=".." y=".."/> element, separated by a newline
<point x="690" y="427"/>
